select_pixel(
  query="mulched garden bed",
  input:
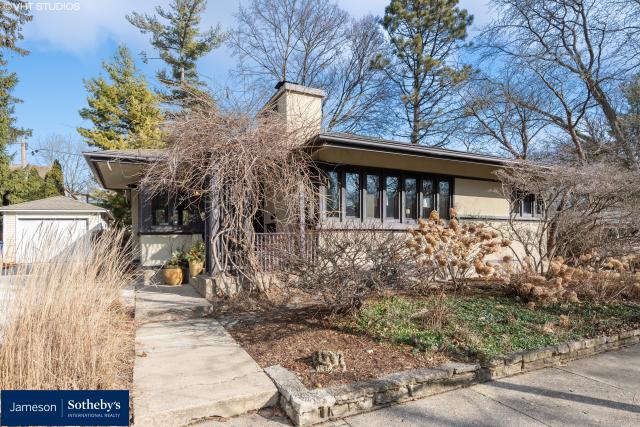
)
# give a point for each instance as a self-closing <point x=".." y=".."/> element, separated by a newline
<point x="390" y="334"/>
<point x="289" y="337"/>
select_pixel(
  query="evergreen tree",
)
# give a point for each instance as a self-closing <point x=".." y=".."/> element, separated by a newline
<point x="176" y="35"/>
<point x="116" y="203"/>
<point x="124" y="112"/>
<point x="13" y="15"/>
<point x="424" y="35"/>
<point x="54" y="181"/>
<point x="23" y="185"/>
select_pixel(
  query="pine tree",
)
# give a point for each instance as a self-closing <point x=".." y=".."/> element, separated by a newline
<point x="13" y="15"/>
<point x="424" y="35"/>
<point x="176" y="35"/>
<point x="124" y="112"/>
<point x="54" y="181"/>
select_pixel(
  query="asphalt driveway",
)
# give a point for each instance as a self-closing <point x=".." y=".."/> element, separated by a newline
<point x="603" y="390"/>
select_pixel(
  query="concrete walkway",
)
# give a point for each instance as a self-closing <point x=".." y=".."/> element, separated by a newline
<point x="187" y="366"/>
<point x="602" y="390"/>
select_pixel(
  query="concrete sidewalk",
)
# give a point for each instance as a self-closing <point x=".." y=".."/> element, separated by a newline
<point x="187" y="366"/>
<point x="602" y="390"/>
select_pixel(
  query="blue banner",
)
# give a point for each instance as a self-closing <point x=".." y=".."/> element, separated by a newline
<point x="64" y="407"/>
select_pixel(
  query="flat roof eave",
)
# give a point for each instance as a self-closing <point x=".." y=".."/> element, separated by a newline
<point x="386" y="146"/>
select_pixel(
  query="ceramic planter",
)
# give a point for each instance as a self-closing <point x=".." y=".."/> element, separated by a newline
<point x="195" y="268"/>
<point x="172" y="275"/>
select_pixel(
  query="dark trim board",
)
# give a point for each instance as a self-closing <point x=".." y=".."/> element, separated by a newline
<point x="357" y="142"/>
<point x="322" y="165"/>
<point x="382" y="173"/>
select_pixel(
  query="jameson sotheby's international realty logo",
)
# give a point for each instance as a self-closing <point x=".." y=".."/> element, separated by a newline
<point x="64" y="407"/>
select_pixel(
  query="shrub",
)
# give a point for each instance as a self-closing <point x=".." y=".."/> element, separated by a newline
<point x="586" y="277"/>
<point x="350" y="265"/>
<point x="454" y="251"/>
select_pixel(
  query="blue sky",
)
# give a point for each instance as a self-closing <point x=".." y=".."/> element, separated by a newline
<point x="69" y="46"/>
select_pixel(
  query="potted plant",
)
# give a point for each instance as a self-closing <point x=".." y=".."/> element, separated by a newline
<point x="195" y="256"/>
<point x="172" y="270"/>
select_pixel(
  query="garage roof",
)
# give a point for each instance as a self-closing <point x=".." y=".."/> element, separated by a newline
<point x="53" y="204"/>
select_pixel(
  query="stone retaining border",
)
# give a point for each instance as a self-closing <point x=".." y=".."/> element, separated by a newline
<point x="306" y="407"/>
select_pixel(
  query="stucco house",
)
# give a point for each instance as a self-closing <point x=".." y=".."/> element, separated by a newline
<point x="367" y="181"/>
<point x="40" y="230"/>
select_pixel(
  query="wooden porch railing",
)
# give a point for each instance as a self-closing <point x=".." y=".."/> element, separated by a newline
<point x="272" y="249"/>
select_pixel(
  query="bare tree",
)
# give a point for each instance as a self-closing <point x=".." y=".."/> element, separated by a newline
<point x="315" y="43"/>
<point x="68" y="152"/>
<point x="291" y="40"/>
<point x="237" y="163"/>
<point x="358" y="93"/>
<point x="578" y="50"/>
<point x="578" y="210"/>
<point x="496" y="117"/>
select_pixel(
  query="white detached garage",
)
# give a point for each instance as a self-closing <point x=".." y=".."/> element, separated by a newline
<point x="44" y="229"/>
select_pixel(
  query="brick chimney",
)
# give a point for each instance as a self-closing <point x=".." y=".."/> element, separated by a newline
<point x="300" y="105"/>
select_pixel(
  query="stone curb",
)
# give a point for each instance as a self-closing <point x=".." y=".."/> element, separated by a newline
<point x="306" y="407"/>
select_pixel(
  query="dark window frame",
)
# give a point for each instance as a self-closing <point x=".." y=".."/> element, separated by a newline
<point x="382" y="174"/>
<point x="365" y="217"/>
<point x="518" y="206"/>
<point x="323" y="196"/>
<point x="147" y="225"/>
<point x="343" y="194"/>
<point x="416" y="204"/>
<point x="433" y="196"/>
<point x="384" y="197"/>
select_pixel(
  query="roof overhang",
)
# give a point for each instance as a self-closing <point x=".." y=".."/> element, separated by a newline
<point x="119" y="170"/>
<point x="377" y="153"/>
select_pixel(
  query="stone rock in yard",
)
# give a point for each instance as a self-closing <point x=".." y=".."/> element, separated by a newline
<point x="328" y="361"/>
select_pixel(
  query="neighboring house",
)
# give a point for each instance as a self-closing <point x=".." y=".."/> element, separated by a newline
<point x="367" y="181"/>
<point x="42" y="229"/>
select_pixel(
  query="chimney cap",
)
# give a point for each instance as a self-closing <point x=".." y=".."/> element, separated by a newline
<point x="282" y="83"/>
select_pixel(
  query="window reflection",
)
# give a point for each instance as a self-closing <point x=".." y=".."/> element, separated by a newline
<point x="410" y="199"/>
<point x="352" y="194"/>
<point x="372" y="197"/>
<point x="392" y="197"/>
<point x="444" y="199"/>
<point x="427" y="197"/>
<point x="332" y="195"/>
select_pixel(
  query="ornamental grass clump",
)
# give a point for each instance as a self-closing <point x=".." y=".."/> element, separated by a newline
<point x="62" y="323"/>
<point x="453" y="251"/>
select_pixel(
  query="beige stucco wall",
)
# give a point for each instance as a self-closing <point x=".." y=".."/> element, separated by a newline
<point x="480" y="198"/>
<point x="10" y="220"/>
<point x="135" y="222"/>
<point x="156" y="249"/>
<point x="302" y="109"/>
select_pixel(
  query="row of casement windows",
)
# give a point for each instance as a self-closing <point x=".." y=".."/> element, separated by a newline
<point x="388" y="197"/>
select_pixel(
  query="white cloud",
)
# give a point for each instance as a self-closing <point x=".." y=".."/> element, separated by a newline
<point x="78" y="31"/>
